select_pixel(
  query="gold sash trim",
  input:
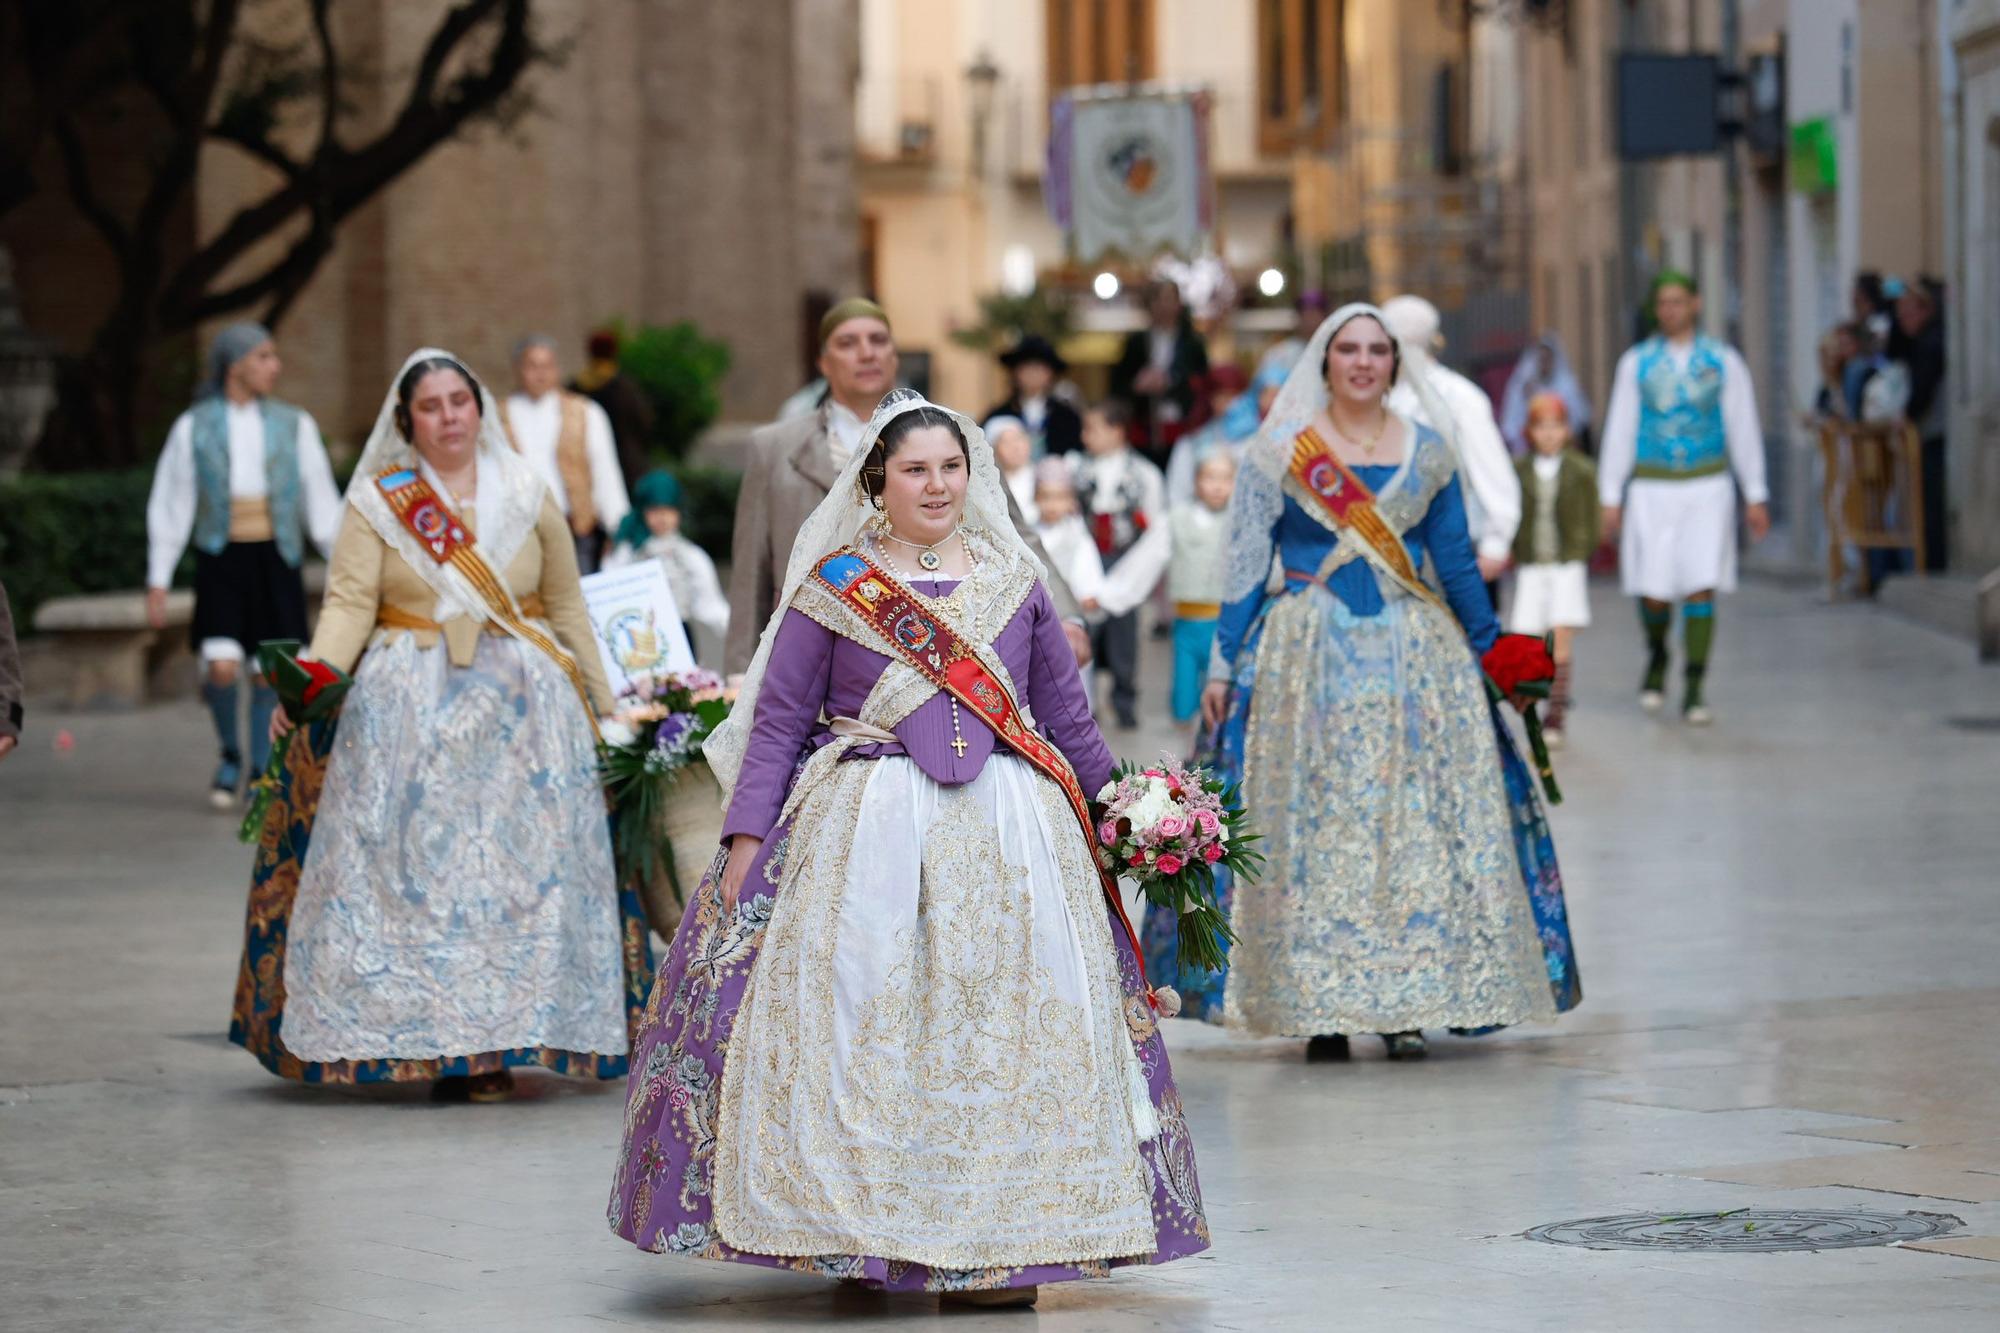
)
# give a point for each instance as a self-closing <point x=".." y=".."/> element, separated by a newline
<point x="395" y="617"/>
<point x="447" y="542"/>
<point x="1348" y="503"/>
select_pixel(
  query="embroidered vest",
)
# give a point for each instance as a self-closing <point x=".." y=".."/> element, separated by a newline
<point x="1681" y="433"/>
<point x="210" y="422"/>
<point x="572" y="460"/>
<point x="1118" y="529"/>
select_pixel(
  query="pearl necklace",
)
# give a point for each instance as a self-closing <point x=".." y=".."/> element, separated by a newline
<point x="952" y="603"/>
<point x="930" y="559"/>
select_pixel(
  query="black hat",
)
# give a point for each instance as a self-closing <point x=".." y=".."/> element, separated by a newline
<point x="1034" y="347"/>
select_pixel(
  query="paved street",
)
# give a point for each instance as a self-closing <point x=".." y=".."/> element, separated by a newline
<point x="1789" y="930"/>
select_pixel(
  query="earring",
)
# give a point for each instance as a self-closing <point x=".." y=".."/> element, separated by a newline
<point x="880" y="508"/>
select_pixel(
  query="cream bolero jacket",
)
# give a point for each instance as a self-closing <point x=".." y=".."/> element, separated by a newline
<point x="366" y="575"/>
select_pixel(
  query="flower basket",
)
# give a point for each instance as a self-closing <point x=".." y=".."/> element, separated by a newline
<point x="667" y="803"/>
<point x="687" y="829"/>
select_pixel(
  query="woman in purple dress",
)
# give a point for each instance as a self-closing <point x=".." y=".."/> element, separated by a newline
<point x="901" y="1037"/>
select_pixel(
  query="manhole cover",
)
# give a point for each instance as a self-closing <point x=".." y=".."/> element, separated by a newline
<point x="1746" y="1230"/>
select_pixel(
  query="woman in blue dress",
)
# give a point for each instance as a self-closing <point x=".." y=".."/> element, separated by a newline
<point x="1410" y="880"/>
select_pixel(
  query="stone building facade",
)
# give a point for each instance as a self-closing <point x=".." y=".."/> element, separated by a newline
<point x="684" y="160"/>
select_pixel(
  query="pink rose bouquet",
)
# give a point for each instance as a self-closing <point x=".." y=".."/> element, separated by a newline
<point x="1169" y="829"/>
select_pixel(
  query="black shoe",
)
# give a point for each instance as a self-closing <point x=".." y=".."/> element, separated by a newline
<point x="1128" y="722"/>
<point x="1163" y="629"/>
<point x="1406" y="1045"/>
<point x="1326" y="1049"/>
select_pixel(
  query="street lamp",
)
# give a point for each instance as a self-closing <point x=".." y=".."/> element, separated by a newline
<point x="982" y="82"/>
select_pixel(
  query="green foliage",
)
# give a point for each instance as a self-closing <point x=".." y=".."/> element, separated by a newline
<point x="681" y="373"/>
<point x="708" y="506"/>
<point x="71" y="533"/>
<point x="1004" y="319"/>
<point x="77" y="532"/>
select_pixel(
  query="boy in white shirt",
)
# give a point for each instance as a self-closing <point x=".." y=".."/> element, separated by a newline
<point x="1123" y="498"/>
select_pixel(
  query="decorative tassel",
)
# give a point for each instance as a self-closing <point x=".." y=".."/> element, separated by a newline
<point x="1166" y="1001"/>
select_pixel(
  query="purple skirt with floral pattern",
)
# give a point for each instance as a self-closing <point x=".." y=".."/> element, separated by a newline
<point x="661" y="1198"/>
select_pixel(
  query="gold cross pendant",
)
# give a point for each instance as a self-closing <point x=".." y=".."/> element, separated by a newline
<point x="958" y="744"/>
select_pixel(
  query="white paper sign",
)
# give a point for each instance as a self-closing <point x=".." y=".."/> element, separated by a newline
<point x="637" y="625"/>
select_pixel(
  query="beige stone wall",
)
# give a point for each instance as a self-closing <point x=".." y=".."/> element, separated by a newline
<point x="1974" y="438"/>
<point x="687" y="160"/>
<point x="1896" y="92"/>
<point x="1577" y="191"/>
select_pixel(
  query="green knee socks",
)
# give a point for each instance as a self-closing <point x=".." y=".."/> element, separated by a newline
<point x="1697" y="635"/>
<point x="1656" y="622"/>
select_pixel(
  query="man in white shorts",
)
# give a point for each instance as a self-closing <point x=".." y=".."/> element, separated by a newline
<point x="1682" y="431"/>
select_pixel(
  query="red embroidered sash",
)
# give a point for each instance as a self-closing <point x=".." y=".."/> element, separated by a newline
<point x="917" y="635"/>
<point x="1347" y="500"/>
<point x="445" y="538"/>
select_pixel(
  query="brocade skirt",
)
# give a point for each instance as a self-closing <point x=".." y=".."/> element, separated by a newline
<point x="913" y="1055"/>
<point x="1393" y="897"/>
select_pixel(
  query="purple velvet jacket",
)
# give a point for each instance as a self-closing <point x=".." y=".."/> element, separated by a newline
<point x="814" y="672"/>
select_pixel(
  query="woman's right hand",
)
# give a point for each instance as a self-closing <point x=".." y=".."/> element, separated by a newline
<point x="743" y="849"/>
<point x="1214" y="703"/>
<point x="281" y="723"/>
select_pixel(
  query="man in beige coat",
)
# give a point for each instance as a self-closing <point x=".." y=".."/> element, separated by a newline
<point x="794" y="463"/>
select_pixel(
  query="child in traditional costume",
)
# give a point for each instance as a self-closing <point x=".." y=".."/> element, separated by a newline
<point x="1014" y="454"/>
<point x="652" y="531"/>
<point x="1552" y="549"/>
<point x="246" y="478"/>
<point x="902" y="1036"/>
<point x="1194" y="574"/>
<point x="1123" y="497"/>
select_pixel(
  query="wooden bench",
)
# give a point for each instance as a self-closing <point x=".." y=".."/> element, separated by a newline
<point x="98" y="651"/>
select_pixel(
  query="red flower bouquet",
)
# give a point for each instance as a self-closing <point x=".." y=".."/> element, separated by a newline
<point x="309" y="691"/>
<point x="1519" y="667"/>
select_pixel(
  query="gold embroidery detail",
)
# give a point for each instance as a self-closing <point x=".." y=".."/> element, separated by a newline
<point x="966" y="1078"/>
<point x="1393" y="899"/>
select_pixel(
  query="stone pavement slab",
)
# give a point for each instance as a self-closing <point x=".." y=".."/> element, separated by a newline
<point x="1787" y="929"/>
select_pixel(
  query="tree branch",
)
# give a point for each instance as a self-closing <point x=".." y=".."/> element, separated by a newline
<point x="329" y="83"/>
<point x="83" y="191"/>
<point x="340" y="180"/>
<point x="450" y="33"/>
<point x="282" y="281"/>
<point x="260" y="148"/>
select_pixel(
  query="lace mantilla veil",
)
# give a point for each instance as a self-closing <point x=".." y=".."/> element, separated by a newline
<point x="838" y="522"/>
<point x="1260" y="498"/>
<point x="508" y="505"/>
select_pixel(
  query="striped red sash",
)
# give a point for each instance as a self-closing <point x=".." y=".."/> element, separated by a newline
<point x="919" y="636"/>
<point x="447" y="542"/>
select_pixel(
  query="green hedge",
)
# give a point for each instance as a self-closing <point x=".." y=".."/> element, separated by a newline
<point x="86" y="531"/>
<point x="70" y="533"/>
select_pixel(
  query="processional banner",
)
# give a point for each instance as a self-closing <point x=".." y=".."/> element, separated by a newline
<point x="1129" y="172"/>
